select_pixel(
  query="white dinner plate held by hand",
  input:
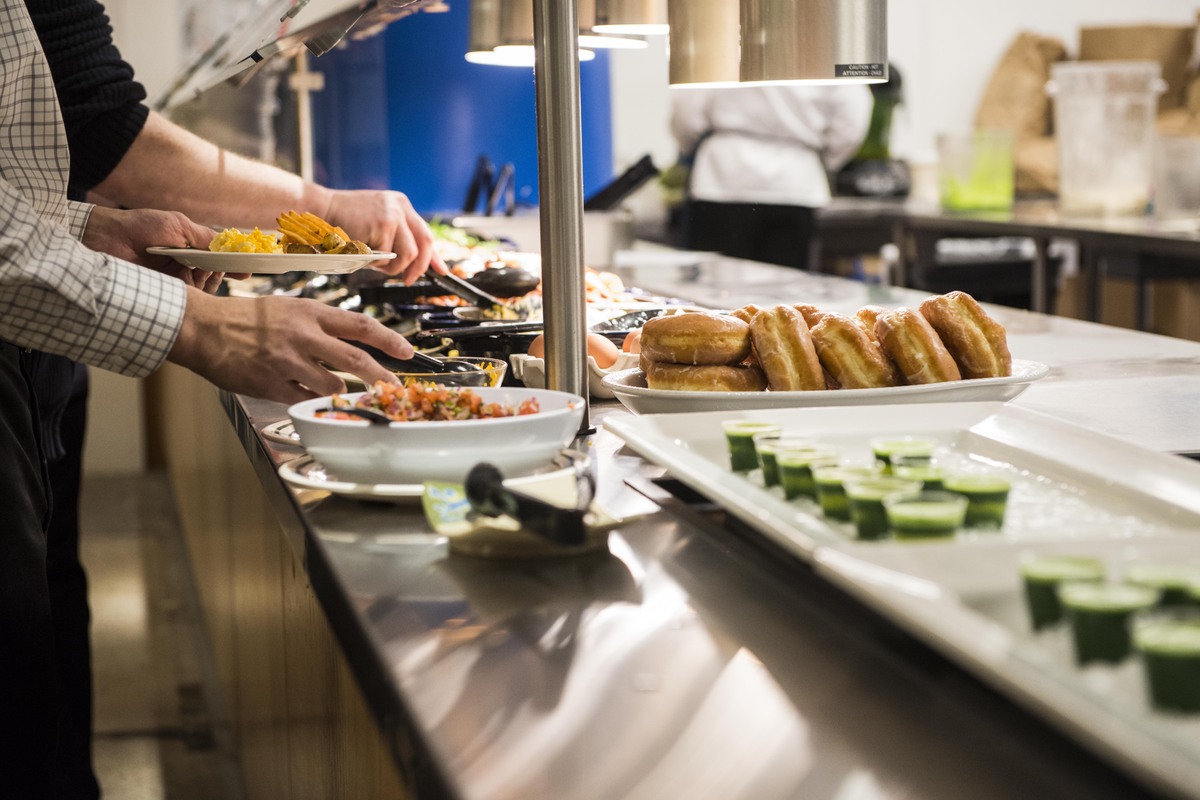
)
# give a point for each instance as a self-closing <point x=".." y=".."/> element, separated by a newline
<point x="270" y="263"/>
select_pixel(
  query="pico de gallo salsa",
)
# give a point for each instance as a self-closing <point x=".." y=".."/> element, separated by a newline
<point x="422" y="401"/>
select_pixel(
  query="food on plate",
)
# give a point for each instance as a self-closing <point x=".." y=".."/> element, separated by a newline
<point x="812" y="315"/>
<point x="803" y="348"/>
<point x="867" y="316"/>
<point x="420" y="401"/>
<point x="598" y="347"/>
<point x="232" y="240"/>
<point x="914" y="347"/>
<point x="977" y="342"/>
<point x="310" y="230"/>
<point x="746" y="312"/>
<point x="785" y="350"/>
<point x="704" y="378"/>
<point x="854" y="359"/>
<point x="633" y="342"/>
<point x="696" y="338"/>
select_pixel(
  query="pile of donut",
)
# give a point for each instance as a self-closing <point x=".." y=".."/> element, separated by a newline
<point x="791" y="348"/>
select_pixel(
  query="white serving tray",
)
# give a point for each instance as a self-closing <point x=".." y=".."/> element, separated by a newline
<point x="1074" y="491"/>
<point x="629" y="386"/>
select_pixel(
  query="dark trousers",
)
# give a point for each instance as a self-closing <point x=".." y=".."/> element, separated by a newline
<point x="73" y="775"/>
<point x="772" y="234"/>
<point x="27" y="677"/>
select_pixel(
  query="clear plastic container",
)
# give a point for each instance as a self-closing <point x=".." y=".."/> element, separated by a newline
<point x="975" y="171"/>
<point x="1177" y="177"/>
<point x="1104" y="122"/>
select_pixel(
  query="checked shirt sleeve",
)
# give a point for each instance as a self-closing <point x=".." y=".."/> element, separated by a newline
<point x="58" y="296"/>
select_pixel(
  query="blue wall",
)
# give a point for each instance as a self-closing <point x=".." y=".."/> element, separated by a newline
<point x="405" y="110"/>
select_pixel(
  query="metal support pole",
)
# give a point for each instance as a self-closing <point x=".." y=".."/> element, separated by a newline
<point x="560" y="184"/>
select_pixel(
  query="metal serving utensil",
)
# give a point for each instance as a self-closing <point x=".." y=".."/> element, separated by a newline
<point x="374" y="417"/>
<point x="489" y="496"/>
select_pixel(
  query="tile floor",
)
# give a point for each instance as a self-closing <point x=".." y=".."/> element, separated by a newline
<point x="159" y="731"/>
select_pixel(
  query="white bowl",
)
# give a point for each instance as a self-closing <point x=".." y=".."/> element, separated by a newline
<point x="531" y="371"/>
<point x="411" y="452"/>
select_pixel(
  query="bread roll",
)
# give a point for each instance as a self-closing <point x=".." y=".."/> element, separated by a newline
<point x="785" y="350"/>
<point x="718" y="378"/>
<point x="978" y="343"/>
<point x="914" y="347"/>
<point x="696" y="338"/>
<point x="854" y="359"/>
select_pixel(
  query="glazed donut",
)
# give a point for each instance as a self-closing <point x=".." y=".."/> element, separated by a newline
<point x="867" y="316"/>
<point x="977" y="342"/>
<point x="785" y="350"/>
<point x="696" y="338"/>
<point x="717" y="378"/>
<point x="855" y="360"/>
<point x="746" y="312"/>
<point x="914" y="347"/>
<point x="812" y="315"/>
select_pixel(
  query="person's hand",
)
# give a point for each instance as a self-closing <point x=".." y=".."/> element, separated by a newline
<point x="387" y="221"/>
<point x="127" y="233"/>
<point x="280" y="348"/>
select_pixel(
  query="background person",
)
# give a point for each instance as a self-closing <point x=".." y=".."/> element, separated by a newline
<point x="760" y="158"/>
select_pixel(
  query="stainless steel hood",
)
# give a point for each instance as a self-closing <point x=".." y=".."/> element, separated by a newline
<point x="284" y="27"/>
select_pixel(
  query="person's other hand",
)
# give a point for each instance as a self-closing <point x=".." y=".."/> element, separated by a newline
<point x="386" y="220"/>
<point x="280" y="348"/>
<point x="127" y="233"/>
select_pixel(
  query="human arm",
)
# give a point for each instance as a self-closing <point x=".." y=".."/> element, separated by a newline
<point x="58" y="296"/>
<point x="848" y="116"/>
<point x="61" y="297"/>
<point x="142" y="161"/>
<point x="101" y="103"/>
<point x="168" y="167"/>
<point x="690" y="117"/>
<point x="127" y="234"/>
<point x="280" y="348"/>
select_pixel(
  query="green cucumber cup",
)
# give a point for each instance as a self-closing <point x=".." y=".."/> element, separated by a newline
<point x="1101" y="616"/>
<point x="1041" y="576"/>
<point x="767" y="444"/>
<point x="926" y="515"/>
<point x="866" y="496"/>
<point x="795" y="467"/>
<point x="987" y="497"/>
<point x="1170" y="654"/>
<point x="915" y="447"/>
<point x="919" y="468"/>
<point x="739" y="435"/>
<point x="830" y="481"/>
<point x="1175" y="581"/>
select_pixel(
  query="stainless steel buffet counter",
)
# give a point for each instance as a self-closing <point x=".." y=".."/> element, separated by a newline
<point x="694" y="659"/>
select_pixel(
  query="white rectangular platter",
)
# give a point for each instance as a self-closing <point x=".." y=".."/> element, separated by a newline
<point x="1074" y="491"/>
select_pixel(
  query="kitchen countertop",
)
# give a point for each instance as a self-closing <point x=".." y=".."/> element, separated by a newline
<point x="693" y="659"/>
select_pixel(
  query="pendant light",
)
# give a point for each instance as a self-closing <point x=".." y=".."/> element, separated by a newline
<point x="739" y="42"/>
<point x="638" y="17"/>
<point x="815" y="41"/>
<point x="501" y="33"/>
<point x="703" y="42"/>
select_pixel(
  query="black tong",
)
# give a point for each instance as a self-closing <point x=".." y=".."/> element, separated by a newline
<point x="562" y="526"/>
